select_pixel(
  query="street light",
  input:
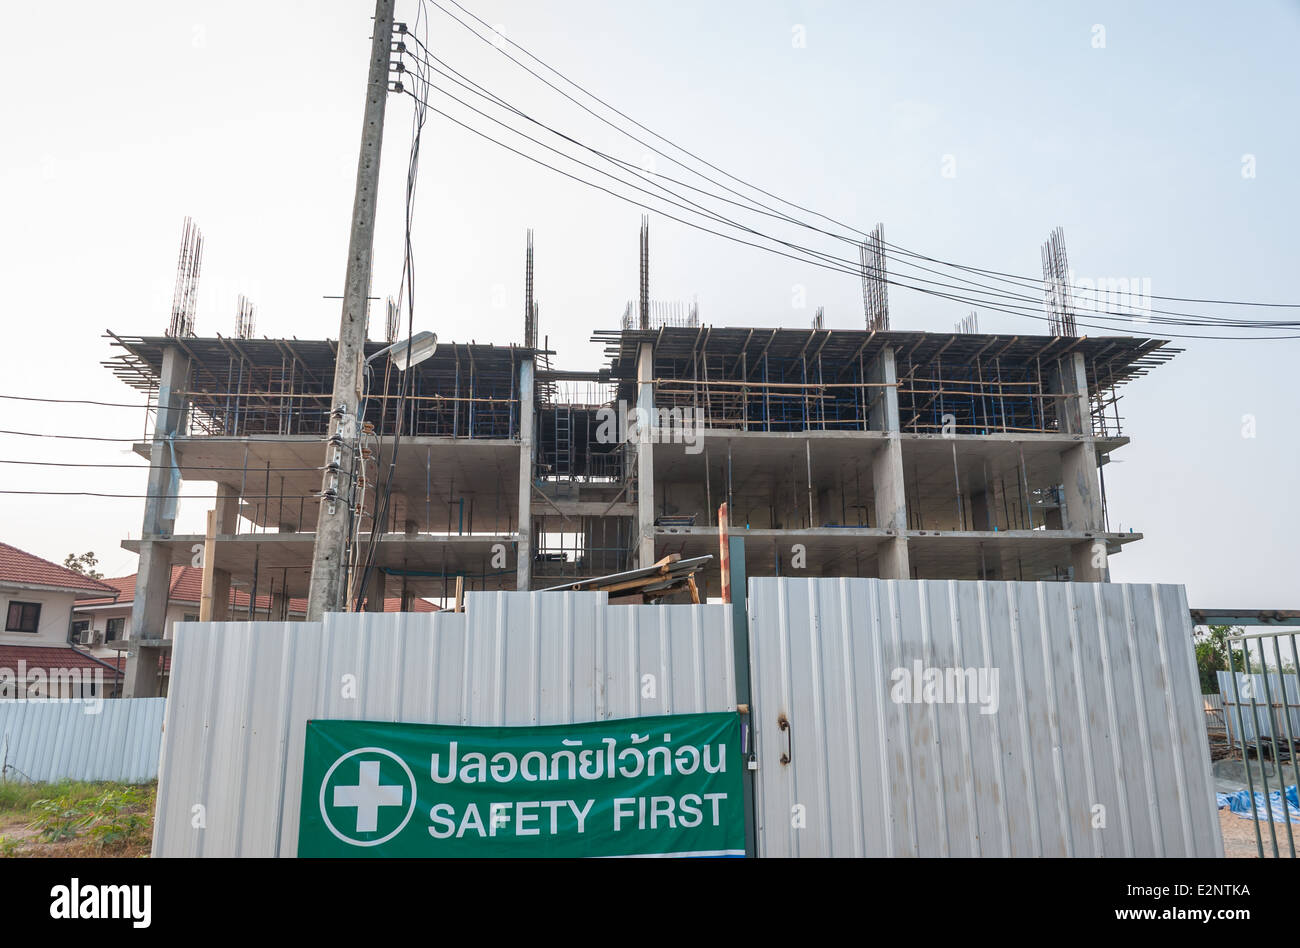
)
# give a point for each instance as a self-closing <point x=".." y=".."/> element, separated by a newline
<point x="408" y="352"/>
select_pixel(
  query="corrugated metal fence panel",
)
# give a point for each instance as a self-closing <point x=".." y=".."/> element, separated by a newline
<point x="241" y="693"/>
<point x="56" y="740"/>
<point x="1098" y="703"/>
<point x="1252" y="714"/>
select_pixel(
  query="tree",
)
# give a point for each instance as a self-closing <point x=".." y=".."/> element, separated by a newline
<point x="1212" y="657"/>
<point x="84" y="564"/>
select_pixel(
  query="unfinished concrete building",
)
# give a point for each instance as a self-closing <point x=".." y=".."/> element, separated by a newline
<point x="838" y="452"/>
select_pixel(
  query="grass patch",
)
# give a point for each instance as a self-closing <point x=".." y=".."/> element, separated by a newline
<point x="17" y="798"/>
<point x="52" y="819"/>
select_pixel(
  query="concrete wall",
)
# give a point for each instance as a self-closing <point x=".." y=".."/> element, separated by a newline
<point x="55" y="620"/>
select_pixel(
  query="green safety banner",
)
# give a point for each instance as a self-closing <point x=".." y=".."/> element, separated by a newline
<point x="658" y="786"/>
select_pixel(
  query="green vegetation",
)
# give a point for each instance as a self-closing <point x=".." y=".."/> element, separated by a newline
<point x="83" y="563"/>
<point x="1212" y="657"/>
<point x="106" y="817"/>
<point x="17" y="798"/>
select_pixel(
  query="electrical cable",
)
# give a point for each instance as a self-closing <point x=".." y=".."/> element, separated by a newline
<point x="85" y="493"/>
<point x="495" y="42"/>
<point x="406" y="293"/>
<point x="145" y="467"/>
<point x="848" y="265"/>
<point x="985" y="290"/>
<point x="76" y="401"/>
<point x="1014" y="311"/>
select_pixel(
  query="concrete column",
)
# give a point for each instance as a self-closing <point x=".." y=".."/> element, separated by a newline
<point x="1083" y="511"/>
<point x="1080" y="480"/>
<point x="527" y="443"/>
<point x="887" y="471"/>
<point x="227" y="518"/>
<point x="154" y="574"/>
<point x="412" y="529"/>
<point x="279" y="608"/>
<point x="645" y="457"/>
<point x="1071" y="379"/>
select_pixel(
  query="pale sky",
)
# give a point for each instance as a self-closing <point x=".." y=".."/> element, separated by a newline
<point x="120" y="121"/>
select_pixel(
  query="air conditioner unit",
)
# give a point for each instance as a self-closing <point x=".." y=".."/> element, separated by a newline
<point x="92" y="637"/>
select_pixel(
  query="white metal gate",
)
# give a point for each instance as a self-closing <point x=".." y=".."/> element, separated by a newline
<point x="1096" y="746"/>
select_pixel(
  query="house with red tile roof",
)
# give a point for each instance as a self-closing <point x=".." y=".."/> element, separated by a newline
<point x="38" y="654"/>
<point x="103" y="625"/>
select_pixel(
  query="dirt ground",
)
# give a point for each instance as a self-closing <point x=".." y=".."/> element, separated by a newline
<point x="26" y="842"/>
<point x="23" y="841"/>
<point x="1239" y="837"/>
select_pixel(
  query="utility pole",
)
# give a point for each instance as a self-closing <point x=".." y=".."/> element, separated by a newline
<point x="328" y="561"/>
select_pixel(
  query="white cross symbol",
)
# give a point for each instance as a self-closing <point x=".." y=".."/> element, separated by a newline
<point x="368" y="796"/>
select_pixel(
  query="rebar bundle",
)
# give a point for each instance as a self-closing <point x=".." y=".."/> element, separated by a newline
<point x="185" y="297"/>
<point x="875" y="279"/>
<point x="1056" y="286"/>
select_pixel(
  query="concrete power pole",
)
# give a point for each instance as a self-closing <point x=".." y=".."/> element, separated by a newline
<point x="328" y="561"/>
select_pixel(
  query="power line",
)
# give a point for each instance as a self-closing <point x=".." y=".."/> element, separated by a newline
<point x="207" y="439"/>
<point x="145" y="467"/>
<point x="983" y="290"/>
<point x="75" y="401"/>
<point x="83" y="493"/>
<point x="494" y="42"/>
<point x="1009" y="309"/>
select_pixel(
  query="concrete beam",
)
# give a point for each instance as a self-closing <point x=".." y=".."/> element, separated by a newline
<point x="408" y="597"/>
<point x="887" y="472"/>
<point x="154" y="574"/>
<point x="1080" y="481"/>
<point x="143" y="673"/>
<point x="227" y="509"/>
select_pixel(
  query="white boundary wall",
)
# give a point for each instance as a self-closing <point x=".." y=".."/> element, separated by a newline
<point x="1098" y="705"/>
<point x="45" y="741"/>
<point x="241" y="693"/>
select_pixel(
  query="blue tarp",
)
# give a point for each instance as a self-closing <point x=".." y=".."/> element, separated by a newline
<point x="1239" y="803"/>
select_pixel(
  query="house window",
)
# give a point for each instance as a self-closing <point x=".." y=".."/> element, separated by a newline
<point x="189" y="617"/>
<point x="113" y="629"/>
<point x="23" y="617"/>
<point x="81" y="631"/>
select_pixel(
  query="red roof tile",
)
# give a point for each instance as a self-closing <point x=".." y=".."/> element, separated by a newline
<point x="125" y="586"/>
<point x="51" y="656"/>
<point x="17" y="566"/>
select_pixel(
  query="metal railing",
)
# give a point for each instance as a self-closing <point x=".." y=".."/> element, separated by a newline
<point x="1262" y="708"/>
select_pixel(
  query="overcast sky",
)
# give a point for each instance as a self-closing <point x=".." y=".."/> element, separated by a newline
<point x="969" y="130"/>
